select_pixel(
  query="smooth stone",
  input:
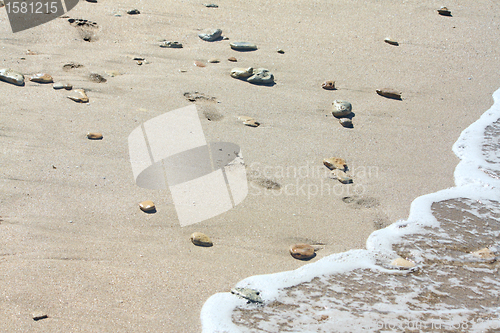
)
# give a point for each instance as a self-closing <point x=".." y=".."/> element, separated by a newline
<point x="341" y="176"/>
<point x="389" y="93"/>
<point x="341" y="108"/>
<point x="328" y="85"/>
<point x="403" y="263"/>
<point x="11" y="76"/>
<point x="302" y="251"/>
<point x="444" y="11"/>
<point x="60" y="85"/>
<point x="210" y="5"/>
<point x="280" y="51"/>
<point x="251" y="295"/>
<point x="243" y="46"/>
<point x="133" y="12"/>
<point x="147" y="206"/>
<point x="484" y="253"/>
<point x="39" y="315"/>
<point x="199" y="64"/>
<point x="346" y="122"/>
<point x="390" y="41"/>
<point x="42" y="78"/>
<point x="210" y="35"/>
<point x="214" y="61"/>
<point x="249" y="122"/>
<point x="333" y="163"/>
<point x="98" y="78"/>
<point x="232" y="59"/>
<point x="241" y="73"/>
<point x="94" y="136"/>
<point x="79" y="96"/>
<point x="201" y="239"/>
<point x="171" y="45"/>
<point x="261" y="76"/>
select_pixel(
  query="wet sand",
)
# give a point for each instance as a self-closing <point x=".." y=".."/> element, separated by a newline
<point x="115" y="268"/>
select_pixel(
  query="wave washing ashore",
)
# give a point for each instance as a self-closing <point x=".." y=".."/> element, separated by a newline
<point x="451" y="238"/>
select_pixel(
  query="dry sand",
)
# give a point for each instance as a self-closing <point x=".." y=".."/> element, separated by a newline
<point x="117" y="269"/>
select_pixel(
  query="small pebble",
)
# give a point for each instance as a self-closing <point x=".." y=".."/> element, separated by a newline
<point x="484" y="253"/>
<point x="248" y="121"/>
<point x="389" y="93"/>
<point x="243" y="46"/>
<point x="214" y="61"/>
<point x="232" y="59"/>
<point x="333" y="163"/>
<point x="199" y="64"/>
<point x="171" y="45"/>
<point x="94" y="136"/>
<point x="133" y="12"/>
<point x="39" y="315"/>
<point x="280" y="51"/>
<point x="302" y="251"/>
<point x="444" y="11"/>
<point x="210" y="5"/>
<point x="42" y="78"/>
<point x="11" y="76"/>
<point x="328" y="85"/>
<point x="201" y="239"/>
<point x="97" y="78"/>
<point x="261" y="76"/>
<point x="147" y="206"/>
<point x="241" y="73"/>
<point x="210" y="35"/>
<point x="388" y="40"/>
<point x="402" y="263"/>
<point x="79" y="96"/>
<point x="61" y="85"/>
<point x="341" y="108"/>
<point x="341" y="176"/>
<point x="346" y="122"/>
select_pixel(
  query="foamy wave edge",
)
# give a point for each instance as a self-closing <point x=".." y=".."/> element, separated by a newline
<point x="470" y="182"/>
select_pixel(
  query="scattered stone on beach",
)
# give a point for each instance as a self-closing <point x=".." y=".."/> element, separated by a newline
<point x="248" y="121"/>
<point x="261" y="76"/>
<point x="241" y="73"/>
<point x="200" y="239"/>
<point x="71" y="66"/>
<point x="79" y="96"/>
<point x="341" y="108"/>
<point x="280" y="51"/>
<point x="243" y="46"/>
<point x="210" y="35"/>
<point x="94" y="77"/>
<point x="251" y="295"/>
<point x="346" y="122"/>
<point x="199" y="64"/>
<point x="94" y="136"/>
<point x="133" y="12"/>
<point x="444" y="11"/>
<point x="388" y="40"/>
<point x="11" y="76"/>
<point x="328" y="85"/>
<point x="402" y="263"/>
<point x="213" y="61"/>
<point x="42" y="78"/>
<point x="197" y="96"/>
<point x="232" y="59"/>
<point x="171" y="45"/>
<point x="389" y="93"/>
<point x="39" y="315"/>
<point x="210" y="5"/>
<point x="147" y="206"/>
<point x="341" y="176"/>
<point x="302" y="251"/>
<point x="61" y="85"/>
<point x="484" y="253"/>
<point x="333" y="163"/>
<point x="112" y="73"/>
<point x="29" y="52"/>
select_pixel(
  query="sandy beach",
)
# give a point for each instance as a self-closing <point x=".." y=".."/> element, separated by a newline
<point x="74" y="243"/>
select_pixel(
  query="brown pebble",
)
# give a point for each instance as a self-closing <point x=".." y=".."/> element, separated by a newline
<point x="333" y="163"/>
<point x="402" y="263"/>
<point x="42" y="78"/>
<point x="232" y="59"/>
<point x="201" y="239"/>
<point x="214" y="61"/>
<point x="389" y="93"/>
<point x="328" y="85"/>
<point x="147" y="206"/>
<point x="302" y="251"/>
<point x="94" y="136"/>
<point x="79" y="96"/>
<point x="484" y="253"/>
<point x="199" y="64"/>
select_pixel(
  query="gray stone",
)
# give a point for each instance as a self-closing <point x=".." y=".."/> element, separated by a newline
<point x="133" y="12"/>
<point x="243" y="46"/>
<point x="261" y="76"/>
<point x="251" y="295"/>
<point x="12" y="76"/>
<point x="201" y="239"/>
<point x="171" y="45"/>
<point x="241" y="73"/>
<point x="210" y="35"/>
<point x="210" y="5"/>
<point x="341" y="108"/>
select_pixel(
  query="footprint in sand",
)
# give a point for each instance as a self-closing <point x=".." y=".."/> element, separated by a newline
<point x="206" y="104"/>
<point x="87" y="29"/>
